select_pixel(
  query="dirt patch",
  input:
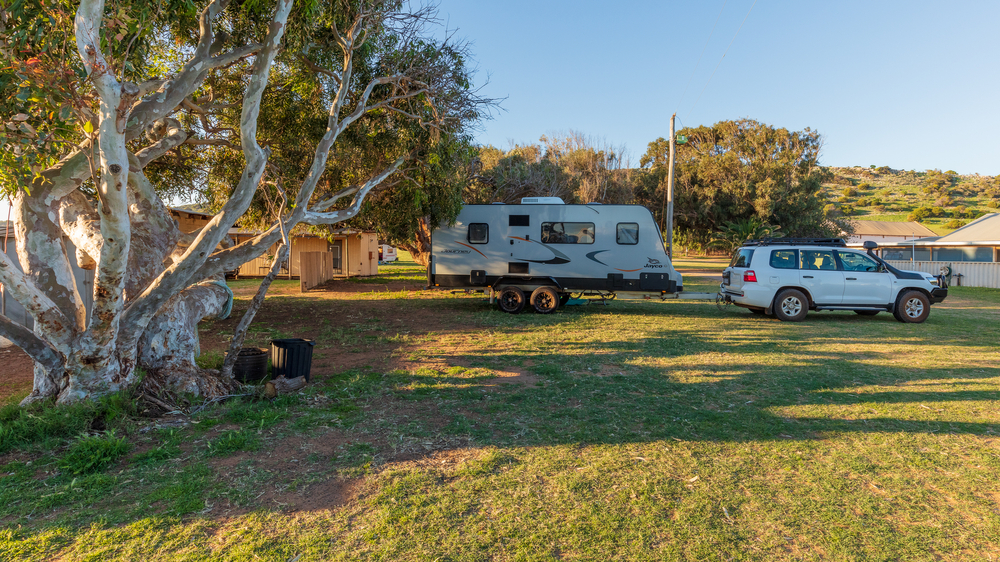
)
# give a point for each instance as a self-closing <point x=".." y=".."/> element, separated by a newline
<point x="18" y="373"/>
<point x="515" y="376"/>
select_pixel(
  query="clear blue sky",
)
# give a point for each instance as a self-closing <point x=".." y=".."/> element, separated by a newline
<point x="906" y="84"/>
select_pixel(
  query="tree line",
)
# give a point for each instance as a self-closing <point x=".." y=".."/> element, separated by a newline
<point x="731" y="178"/>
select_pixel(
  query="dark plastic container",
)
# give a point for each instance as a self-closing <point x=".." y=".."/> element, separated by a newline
<point x="251" y="365"/>
<point x="291" y="357"/>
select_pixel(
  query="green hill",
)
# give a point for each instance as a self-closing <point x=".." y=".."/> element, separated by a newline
<point x="942" y="201"/>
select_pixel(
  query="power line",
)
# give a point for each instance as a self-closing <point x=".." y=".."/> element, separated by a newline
<point x="703" y="49"/>
<point x="723" y="56"/>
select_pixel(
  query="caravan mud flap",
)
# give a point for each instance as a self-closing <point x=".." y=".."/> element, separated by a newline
<point x="657" y="282"/>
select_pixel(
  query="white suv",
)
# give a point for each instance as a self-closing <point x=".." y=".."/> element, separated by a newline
<point x="787" y="277"/>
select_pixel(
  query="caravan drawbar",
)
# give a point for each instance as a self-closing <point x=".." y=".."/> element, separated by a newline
<point x="542" y="250"/>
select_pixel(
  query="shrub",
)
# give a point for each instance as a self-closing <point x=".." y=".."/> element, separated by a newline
<point x="937" y="212"/>
<point x="864" y="185"/>
<point x="830" y="210"/>
<point x="864" y="202"/>
<point x="958" y="212"/>
<point x="93" y="453"/>
<point x="878" y="209"/>
<point x="920" y="214"/>
<point x="51" y="425"/>
<point x="993" y="204"/>
<point x="850" y="191"/>
<point x="954" y="223"/>
<point x="847" y="210"/>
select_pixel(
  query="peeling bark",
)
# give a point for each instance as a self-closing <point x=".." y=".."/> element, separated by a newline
<point x="420" y="249"/>
<point x="168" y="349"/>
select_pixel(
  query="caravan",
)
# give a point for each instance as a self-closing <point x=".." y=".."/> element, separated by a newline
<point x="541" y="251"/>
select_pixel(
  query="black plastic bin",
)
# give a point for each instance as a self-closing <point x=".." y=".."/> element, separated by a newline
<point x="251" y="364"/>
<point x="291" y="357"/>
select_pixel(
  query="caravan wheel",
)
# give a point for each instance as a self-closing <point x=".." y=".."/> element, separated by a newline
<point x="545" y="300"/>
<point x="511" y="300"/>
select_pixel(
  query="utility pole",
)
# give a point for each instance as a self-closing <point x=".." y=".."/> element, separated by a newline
<point x="670" y="192"/>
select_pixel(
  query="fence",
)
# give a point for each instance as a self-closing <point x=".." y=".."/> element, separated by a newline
<point x="974" y="274"/>
<point x="315" y="268"/>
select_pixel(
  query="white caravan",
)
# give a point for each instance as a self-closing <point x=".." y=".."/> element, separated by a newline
<point x="542" y="250"/>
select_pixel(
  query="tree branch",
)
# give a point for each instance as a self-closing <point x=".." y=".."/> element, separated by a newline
<point x="178" y="275"/>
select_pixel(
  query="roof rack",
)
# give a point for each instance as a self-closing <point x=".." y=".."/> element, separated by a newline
<point x="839" y="242"/>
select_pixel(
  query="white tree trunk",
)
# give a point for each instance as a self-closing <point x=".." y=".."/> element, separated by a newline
<point x="170" y="344"/>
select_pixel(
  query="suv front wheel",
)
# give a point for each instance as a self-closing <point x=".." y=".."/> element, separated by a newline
<point x="791" y="305"/>
<point x="913" y="307"/>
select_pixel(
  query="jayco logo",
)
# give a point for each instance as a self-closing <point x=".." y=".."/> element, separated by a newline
<point x="653" y="264"/>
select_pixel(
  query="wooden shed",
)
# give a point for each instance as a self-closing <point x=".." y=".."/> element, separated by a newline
<point x="352" y="253"/>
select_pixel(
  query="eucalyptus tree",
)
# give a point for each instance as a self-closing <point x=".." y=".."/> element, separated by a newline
<point x="742" y="171"/>
<point x="111" y="105"/>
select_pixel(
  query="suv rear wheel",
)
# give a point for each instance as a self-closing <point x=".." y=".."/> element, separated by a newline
<point x="791" y="305"/>
<point x="913" y="307"/>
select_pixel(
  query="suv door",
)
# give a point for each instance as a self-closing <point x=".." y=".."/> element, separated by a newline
<point x="865" y="281"/>
<point x="819" y="274"/>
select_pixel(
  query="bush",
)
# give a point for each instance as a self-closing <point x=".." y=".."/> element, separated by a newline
<point x="850" y="191"/>
<point x="93" y="453"/>
<point x="864" y="185"/>
<point x="50" y="425"/>
<point x="993" y="204"/>
<point x="847" y="210"/>
<point x="920" y="214"/>
<point x="958" y="212"/>
<point x="830" y="210"/>
<point x="937" y="212"/>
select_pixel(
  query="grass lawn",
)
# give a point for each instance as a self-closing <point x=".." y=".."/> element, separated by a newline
<point x="437" y="428"/>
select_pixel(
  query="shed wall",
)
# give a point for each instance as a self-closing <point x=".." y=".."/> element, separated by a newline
<point x="974" y="274"/>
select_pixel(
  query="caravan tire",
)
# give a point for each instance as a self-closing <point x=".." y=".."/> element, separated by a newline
<point x="545" y="300"/>
<point x="511" y="300"/>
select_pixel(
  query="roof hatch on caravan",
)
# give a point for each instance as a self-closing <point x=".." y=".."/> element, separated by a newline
<point x="541" y="201"/>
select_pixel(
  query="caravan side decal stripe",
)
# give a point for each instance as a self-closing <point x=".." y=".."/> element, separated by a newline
<point x="471" y="248"/>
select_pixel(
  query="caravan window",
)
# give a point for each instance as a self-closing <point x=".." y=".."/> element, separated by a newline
<point x="628" y="233"/>
<point x="479" y="233"/>
<point x="567" y="233"/>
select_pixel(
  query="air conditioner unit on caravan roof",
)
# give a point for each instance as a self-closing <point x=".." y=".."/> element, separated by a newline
<point x="541" y="201"/>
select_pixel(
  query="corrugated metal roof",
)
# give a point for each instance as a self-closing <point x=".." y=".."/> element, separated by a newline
<point x="886" y="228"/>
<point x="984" y="229"/>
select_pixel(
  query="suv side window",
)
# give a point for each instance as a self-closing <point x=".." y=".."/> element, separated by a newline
<point x="784" y="259"/>
<point x="857" y="262"/>
<point x="818" y="260"/>
<point x="742" y="258"/>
